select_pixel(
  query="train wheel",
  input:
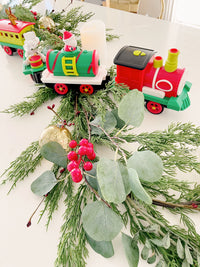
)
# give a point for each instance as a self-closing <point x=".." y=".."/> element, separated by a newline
<point x="8" y="50"/>
<point x="61" y="88"/>
<point x="20" y="52"/>
<point x="86" y="89"/>
<point x="154" y="107"/>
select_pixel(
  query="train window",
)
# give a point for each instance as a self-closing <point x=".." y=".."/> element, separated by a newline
<point x="6" y="34"/>
<point x="11" y="35"/>
<point x="1" y="33"/>
<point x="17" y="36"/>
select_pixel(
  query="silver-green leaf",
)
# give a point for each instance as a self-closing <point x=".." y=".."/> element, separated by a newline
<point x="104" y="248"/>
<point x="188" y="255"/>
<point x="108" y="123"/>
<point x="131" y="108"/>
<point x="180" y="249"/>
<point x="55" y="153"/>
<point x="125" y="178"/>
<point x="131" y="250"/>
<point x="148" y="165"/>
<point x="44" y="183"/>
<point x="110" y="181"/>
<point x="100" y="222"/>
<point x="136" y="187"/>
<point x="164" y="242"/>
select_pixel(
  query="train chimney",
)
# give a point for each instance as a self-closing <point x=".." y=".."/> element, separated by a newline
<point x="157" y="62"/>
<point x="172" y="60"/>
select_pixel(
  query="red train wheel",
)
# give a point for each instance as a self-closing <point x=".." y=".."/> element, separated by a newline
<point x="20" y="52"/>
<point x="61" y="88"/>
<point x="8" y="50"/>
<point x="86" y="89"/>
<point x="154" y="107"/>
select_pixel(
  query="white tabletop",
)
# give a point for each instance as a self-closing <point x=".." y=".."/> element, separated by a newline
<point x="21" y="246"/>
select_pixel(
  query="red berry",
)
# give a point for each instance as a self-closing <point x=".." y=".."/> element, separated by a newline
<point x="32" y="113"/>
<point x="87" y="166"/>
<point x="62" y="170"/>
<point x="82" y="150"/>
<point x="90" y="151"/>
<point x="194" y="205"/>
<point x="76" y="175"/>
<point x="90" y="145"/>
<point x="72" y="144"/>
<point x="92" y="156"/>
<point x="83" y="142"/>
<point x="72" y="165"/>
<point x="49" y="107"/>
<point x="53" y="106"/>
<point x="28" y="224"/>
<point x="72" y="155"/>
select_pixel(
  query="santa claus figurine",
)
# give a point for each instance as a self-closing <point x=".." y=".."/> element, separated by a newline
<point x="70" y="41"/>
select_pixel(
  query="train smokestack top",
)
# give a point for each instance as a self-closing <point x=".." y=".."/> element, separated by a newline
<point x="172" y="60"/>
<point x="158" y="62"/>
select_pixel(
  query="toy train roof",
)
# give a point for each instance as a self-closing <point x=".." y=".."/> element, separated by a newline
<point x="133" y="57"/>
<point x="5" y="25"/>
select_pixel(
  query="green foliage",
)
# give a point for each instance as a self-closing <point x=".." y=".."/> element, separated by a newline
<point x="35" y="101"/>
<point x="148" y="165"/>
<point x="134" y="102"/>
<point x="55" y="153"/>
<point x="105" y="248"/>
<point x="23" y="165"/>
<point x="44" y="183"/>
<point x="137" y="188"/>
<point x="131" y="250"/>
<point x="100" y="222"/>
<point x="110" y="181"/>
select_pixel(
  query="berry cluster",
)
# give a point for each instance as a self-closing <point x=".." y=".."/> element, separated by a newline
<point x="77" y="159"/>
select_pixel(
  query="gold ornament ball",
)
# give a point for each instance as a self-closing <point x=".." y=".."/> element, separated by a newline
<point x="56" y="134"/>
<point x="46" y="23"/>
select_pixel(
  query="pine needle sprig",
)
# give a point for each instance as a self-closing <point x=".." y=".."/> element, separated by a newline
<point x="72" y="246"/>
<point x="18" y="171"/>
<point x="43" y="95"/>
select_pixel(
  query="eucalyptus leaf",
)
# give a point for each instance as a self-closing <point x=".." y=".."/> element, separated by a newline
<point x="125" y="178"/>
<point x="137" y="188"/>
<point x="153" y="228"/>
<point x="148" y="165"/>
<point x="120" y="123"/>
<point x="105" y="248"/>
<point x="164" y="242"/>
<point x="44" y="183"/>
<point x="108" y="123"/>
<point x="55" y="153"/>
<point x="161" y="263"/>
<point x="131" y="108"/>
<point x="131" y="250"/>
<point x="100" y="222"/>
<point x="145" y="253"/>
<point x="91" y="177"/>
<point x="110" y="181"/>
<point x="151" y="259"/>
<point x="180" y="249"/>
<point x="188" y="255"/>
<point x="185" y="263"/>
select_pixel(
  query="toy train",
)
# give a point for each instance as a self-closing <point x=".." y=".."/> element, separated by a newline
<point x="12" y="36"/>
<point x="162" y="85"/>
<point x="138" y="68"/>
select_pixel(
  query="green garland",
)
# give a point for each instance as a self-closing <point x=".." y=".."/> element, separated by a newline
<point x="103" y="119"/>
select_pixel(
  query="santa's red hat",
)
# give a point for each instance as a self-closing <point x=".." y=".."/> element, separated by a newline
<point x="67" y="35"/>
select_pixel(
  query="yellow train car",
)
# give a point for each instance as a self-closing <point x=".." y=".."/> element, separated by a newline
<point x="11" y="36"/>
